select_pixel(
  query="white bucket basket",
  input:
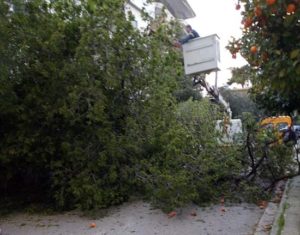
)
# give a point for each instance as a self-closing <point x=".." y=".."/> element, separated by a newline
<point x="202" y="55"/>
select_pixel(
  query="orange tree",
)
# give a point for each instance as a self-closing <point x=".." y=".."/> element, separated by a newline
<point x="271" y="45"/>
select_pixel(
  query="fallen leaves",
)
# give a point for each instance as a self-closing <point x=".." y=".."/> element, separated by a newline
<point x="193" y="213"/>
<point x="92" y="225"/>
<point x="262" y="204"/>
<point x="223" y="209"/>
<point x="222" y="200"/>
<point x="267" y="227"/>
<point x="172" y="214"/>
<point x="276" y="199"/>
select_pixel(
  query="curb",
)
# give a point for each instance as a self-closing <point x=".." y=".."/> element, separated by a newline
<point x="288" y="218"/>
<point x="276" y="229"/>
<point x="267" y="219"/>
<point x="270" y="214"/>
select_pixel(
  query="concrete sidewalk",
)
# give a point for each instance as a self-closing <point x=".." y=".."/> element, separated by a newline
<point x="287" y="221"/>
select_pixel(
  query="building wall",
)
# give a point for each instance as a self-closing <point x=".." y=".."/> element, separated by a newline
<point x="136" y="7"/>
<point x="153" y="9"/>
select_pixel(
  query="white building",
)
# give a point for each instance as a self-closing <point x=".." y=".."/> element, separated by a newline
<point x="230" y="132"/>
<point x="178" y="9"/>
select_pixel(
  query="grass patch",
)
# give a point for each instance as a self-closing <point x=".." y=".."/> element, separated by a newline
<point x="281" y="219"/>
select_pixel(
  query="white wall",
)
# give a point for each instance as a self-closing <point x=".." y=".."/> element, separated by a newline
<point x="136" y="6"/>
<point x="233" y="131"/>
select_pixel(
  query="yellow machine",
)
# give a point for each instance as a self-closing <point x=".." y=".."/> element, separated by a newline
<point x="279" y="125"/>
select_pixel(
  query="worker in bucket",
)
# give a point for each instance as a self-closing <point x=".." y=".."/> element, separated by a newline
<point x="191" y="35"/>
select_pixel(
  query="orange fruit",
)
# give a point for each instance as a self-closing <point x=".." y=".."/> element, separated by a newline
<point x="258" y="11"/>
<point x="270" y="2"/>
<point x="253" y="49"/>
<point x="291" y="8"/>
<point x="247" y="22"/>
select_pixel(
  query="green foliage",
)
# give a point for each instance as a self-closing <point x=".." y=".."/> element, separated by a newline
<point x="73" y="76"/>
<point x="242" y="75"/>
<point x="264" y="158"/>
<point x="89" y="108"/>
<point x="239" y="102"/>
<point x="90" y="111"/>
<point x="194" y="166"/>
<point x="272" y="101"/>
<point x="187" y="91"/>
<point x="275" y="75"/>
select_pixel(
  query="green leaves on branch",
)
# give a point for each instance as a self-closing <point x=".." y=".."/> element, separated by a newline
<point x="73" y="76"/>
<point x="90" y="111"/>
<point x="94" y="111"/>
<point x="271" y="29"/>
